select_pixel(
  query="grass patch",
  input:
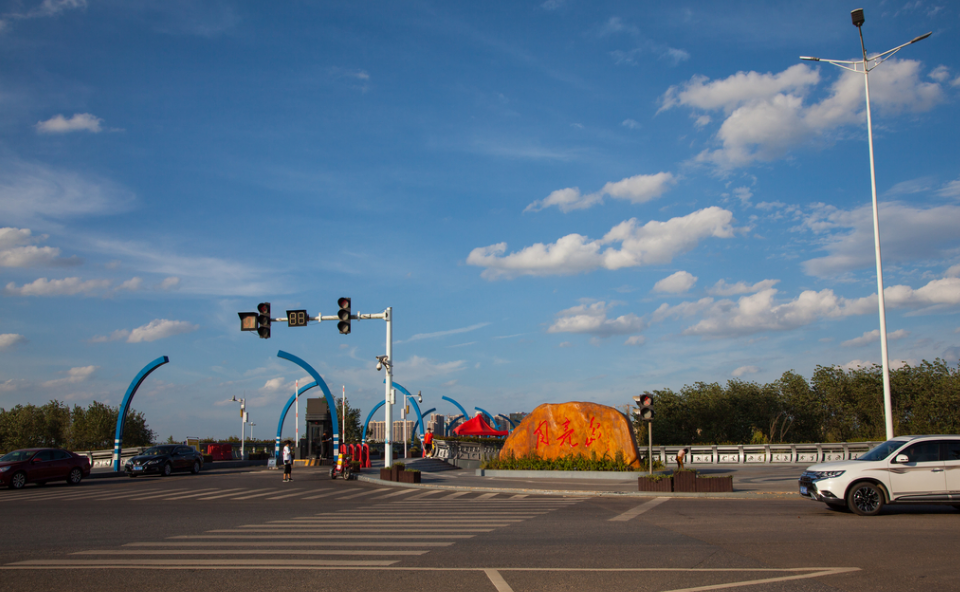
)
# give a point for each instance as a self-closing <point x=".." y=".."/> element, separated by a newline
<point x="572" y="462"/>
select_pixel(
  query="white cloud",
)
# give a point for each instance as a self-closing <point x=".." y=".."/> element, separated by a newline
<point x="677" y="283"/>
<point x="80" y="122"/>
<point x="160" y="329"/>
<point x="722" y="288"/>
<point x="745" y="370"/>
<point x="766" y="115"/>
<point x="16" y="250"/>
<point x="417" y="368"/>
<point x="65" y="287"/>
<point x="420" y="336"/>
<point x="10" y="340"/>
<point x="592" y="319"/>
<point x="653" y="243"/>
<point x="906" y="233"/>
<point x="635" y="340"/>
<point x="567" y="200"/>
<point x="117" y="335"/>
<point x="637" y="189"/>
<point x="131" y="285"/>
<point x="631" y="124"/>
<point x="170" y="283"/>
<point x="74" y="375"/>
<point x="47" y="8"/>
<point x="874" y="336"/>
<point x="951" y="189"/>
<point x="32" y="192"/>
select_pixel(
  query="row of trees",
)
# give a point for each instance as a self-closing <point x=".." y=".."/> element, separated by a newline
<point x="835" y="405"/>
<point x="81" y="428"/>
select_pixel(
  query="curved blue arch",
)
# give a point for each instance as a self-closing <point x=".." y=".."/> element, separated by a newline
<point x="487" y="413"/>
<point x="125" y="405"/>
<point x="459" y="406"/>
<point x="416" y="407"/>
<point x="283" y="414"/>
<point x="512" y="423"/>
<point x="331" y="403"/>
<point x="427" y="412"/>
<point x="369" y="417"/>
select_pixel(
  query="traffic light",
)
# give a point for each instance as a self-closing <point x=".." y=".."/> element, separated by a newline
<point x="263" y="320"/>
<point x="645" y="402"/>
<point x="344" y="316"/>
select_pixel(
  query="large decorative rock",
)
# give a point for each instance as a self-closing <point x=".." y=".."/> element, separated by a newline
<point x="565" y="429"/>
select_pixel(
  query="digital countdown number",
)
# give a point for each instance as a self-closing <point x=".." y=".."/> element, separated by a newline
<point x="297" y="318"/>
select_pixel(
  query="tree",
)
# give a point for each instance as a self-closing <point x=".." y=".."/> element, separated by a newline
<point x="354" y="430"/>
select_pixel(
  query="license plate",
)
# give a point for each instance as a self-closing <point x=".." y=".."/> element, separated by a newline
<point x="803" y="490"/>
<point x="137" y="468"/>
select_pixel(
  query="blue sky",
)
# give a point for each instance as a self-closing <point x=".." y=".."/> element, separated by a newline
<point x="561" y="200"/>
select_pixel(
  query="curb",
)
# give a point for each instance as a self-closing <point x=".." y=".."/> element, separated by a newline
<point x="749" y="495"/>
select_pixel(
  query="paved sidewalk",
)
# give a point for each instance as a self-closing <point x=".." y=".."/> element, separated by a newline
<point x="749" y="482"/>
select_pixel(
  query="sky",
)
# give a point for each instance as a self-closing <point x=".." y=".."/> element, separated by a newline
<point x="560" y="200"/>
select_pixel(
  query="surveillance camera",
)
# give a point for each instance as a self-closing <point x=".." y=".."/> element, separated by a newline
<point x="379" y="365"/>
<point x="419" y="396"/>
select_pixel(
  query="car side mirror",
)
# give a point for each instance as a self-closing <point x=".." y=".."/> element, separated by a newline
<point x="902" y="458"/>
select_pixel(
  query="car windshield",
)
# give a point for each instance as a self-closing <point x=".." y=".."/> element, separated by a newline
<point x="883" y="451"/>
<point x="158" y="450"/>
<point x="16" y="456"/>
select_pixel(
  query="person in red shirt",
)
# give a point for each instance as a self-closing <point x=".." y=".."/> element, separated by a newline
<point x="428" y="443"/>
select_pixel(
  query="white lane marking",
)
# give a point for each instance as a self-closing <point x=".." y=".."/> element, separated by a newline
<point x="325" y="494"/>
<point x="196" y="563"/>
<point x="521" y="496"/>
<point x="293" y="546"/>
<point x="634" y="512"/>
<point x="455" y="495"/>
<point x="497" y="580"/>
<point x="361" y="494"/>
<point x="246" y="497"/>
<point x="396" y="493"/>
<point x="338" y="536"/>
<point x="351" y="552"/>
<point x="253" y="528"/>
<point x="423" y="495"/>
<point x="213" y="497"/>
<point x="164" y="494"/>
<point x="295" y="492"/>
<point x="816" y="574"/>
<point x="200" y="492"/>
<point x="485" y="496"/>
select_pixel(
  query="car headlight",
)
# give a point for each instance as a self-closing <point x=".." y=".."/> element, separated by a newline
<point x="152" y="462"/>
<point x="826" y="474"/>
<point x="4" y="469"/>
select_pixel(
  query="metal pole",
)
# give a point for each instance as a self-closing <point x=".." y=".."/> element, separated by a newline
<point x="884" y="358"/>
<point x="343" y="395"/>
<point x="388" y="405"/>
<point x="296" y="430"/>
<point x="650" y="448"/>
<point x="243" y="425"/>
<point x="403" y="420"/>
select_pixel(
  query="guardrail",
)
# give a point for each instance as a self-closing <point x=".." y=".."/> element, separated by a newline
<point x="742" y="454"/>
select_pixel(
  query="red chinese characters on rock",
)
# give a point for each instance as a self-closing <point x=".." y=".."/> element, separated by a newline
<point x="557" y="430"/>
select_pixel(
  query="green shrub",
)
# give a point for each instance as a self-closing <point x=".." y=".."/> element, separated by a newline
<point x="578" y="462"/>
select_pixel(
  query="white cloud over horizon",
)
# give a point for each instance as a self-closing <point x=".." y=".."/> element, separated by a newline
<point x="80" y="122"/>
<point x="677" y="283"/>
<point x="152" y="331"/>
<point x="637" y="189"/>
<point x="592" y="319"/>
<point x="652" y="243"/>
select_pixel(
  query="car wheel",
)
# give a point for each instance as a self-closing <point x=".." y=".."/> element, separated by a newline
<point x="75" y="476"/>
<point x="865" y="499"/>
<point x="196" y="467"/>
<point x="167" y="470"/>
<point x="18" y="480"/>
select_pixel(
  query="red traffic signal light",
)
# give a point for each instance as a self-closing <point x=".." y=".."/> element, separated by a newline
<point x="645" y="402"/>
<point x="263" y="320"/>
<point x="344" y="315"/>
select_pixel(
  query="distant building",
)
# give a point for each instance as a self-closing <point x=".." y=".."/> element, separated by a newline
<point x="438" y="424"/>
<point x="377" y="433"/>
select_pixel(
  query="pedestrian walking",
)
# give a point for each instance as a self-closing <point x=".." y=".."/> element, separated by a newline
<point x="428" y="444"/>
<point x="287" y="462"/>
<point x="680" y="456"/>
<point x="325" y="442"/>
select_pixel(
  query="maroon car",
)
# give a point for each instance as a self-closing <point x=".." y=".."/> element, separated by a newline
<point x="39" y="465"/>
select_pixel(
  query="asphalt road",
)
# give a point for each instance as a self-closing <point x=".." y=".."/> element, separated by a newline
<point x="248" y="531"/>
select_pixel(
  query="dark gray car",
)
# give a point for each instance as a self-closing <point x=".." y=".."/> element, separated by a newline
<point x="165" y="459"/>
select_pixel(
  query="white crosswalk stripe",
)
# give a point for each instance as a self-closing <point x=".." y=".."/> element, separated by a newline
<point x="356" y="537"/>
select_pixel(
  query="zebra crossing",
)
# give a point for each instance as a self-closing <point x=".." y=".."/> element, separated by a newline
<point x="376" y="536"/>
<point x="137" y="492"/>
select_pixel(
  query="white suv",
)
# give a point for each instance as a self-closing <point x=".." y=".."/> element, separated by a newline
<point x="906" y="469"/>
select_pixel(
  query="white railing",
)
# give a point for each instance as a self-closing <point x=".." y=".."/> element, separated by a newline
<point x="762" y="453"/>
<point x="104" y="458"/>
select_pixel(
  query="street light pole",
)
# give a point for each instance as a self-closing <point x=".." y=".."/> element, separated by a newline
<point x="864" y="67"/>
<point x="243" y="422"/>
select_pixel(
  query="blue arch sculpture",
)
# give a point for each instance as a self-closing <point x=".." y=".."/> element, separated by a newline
<point x="331" y="403"/>
<point x="369" y="417"/>
<point x="459" y="406"/>
<point x="125" y="406"/>
<point x="427" y="412"/>
<point x="283" y="415"/>
<point x="416" y="407"/>
<point x="512" y="423"/>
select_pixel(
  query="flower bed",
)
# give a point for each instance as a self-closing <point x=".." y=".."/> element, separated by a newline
<point x="655" y="483"/>
<point x="715" y="484"/>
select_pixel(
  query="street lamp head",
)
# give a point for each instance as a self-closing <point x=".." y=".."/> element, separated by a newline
<point x="809" y="59"/>
<point x="920" y="38"/>
<point x="857" y="17"/>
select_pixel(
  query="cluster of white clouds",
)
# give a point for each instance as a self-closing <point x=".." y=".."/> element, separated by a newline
<point x="648" y="244"/>
<point x="74" y="286"/>
<point x="592" y="319"/>
<point x="152" y="331"/>
<point x="17" y="249"/>
<point x="637" y="189"/>
<point x="80" y="122"/>
<point x="765" y="115"/>
<point x="74" y="376"/>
